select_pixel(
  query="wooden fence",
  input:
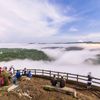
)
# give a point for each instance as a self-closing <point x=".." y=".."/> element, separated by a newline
<point x="67" y="76"/>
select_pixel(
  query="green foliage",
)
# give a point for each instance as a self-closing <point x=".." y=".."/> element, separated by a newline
<point x="16" y="53"/>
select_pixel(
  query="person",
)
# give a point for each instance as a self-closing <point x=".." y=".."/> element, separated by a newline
<point x="1" y="80"/>
<point x="0" y="70"/>
<point x="25" y="72"/>
<point x="62" y="82"/>
<point x="4" y="68"/>
<point x="11" y="70"/>
<point x="18" y="74"/>
<point x="54" y="81"/>
<point x="14" y="79"/>
<point x="29" y="74"/>
<point x="89" y="81"/>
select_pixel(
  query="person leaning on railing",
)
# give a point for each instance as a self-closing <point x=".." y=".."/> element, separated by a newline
<point x="24" y="72"/>
<point x="89" y="81"/>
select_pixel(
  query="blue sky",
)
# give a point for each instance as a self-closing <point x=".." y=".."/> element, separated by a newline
<point x="49" y="20"/>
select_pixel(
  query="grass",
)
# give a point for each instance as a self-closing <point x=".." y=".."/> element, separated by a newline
<point x="17" y="53"/>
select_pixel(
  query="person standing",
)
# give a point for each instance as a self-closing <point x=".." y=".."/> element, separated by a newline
<point x="11" y="70"/>
<point x="89" y="80"/>
<point x="18" y="74"/>
<point x="24" y="72"/>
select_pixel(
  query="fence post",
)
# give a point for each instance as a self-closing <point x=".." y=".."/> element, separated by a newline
<point x="42" y="72"/>
<point x="67" y="76"/>
<point x="50" y="73"/>
<point x="35" y="71"/>
<point x="77" y="78"/>
<point x="58" y="74"/>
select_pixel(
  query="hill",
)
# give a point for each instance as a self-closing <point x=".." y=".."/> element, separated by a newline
<point x="16" y="53"/>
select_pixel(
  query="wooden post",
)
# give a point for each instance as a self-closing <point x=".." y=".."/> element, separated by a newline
<point x="42" y="72"/>
<point x="67" y="76"/>
<point x="35" y="71"/>
<point x="77" y="78"/>
<point x="58" y="74"/>
<point x="50" y="73"/>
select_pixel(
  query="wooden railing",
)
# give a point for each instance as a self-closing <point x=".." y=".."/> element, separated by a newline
<point x="67" y="76"/>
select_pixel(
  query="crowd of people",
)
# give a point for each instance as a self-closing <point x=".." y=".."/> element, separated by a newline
<point x="19" y="74"/>
<point x="61" y="82"/>
<point x="5" y="75"/>
<point x="8" y="76"/>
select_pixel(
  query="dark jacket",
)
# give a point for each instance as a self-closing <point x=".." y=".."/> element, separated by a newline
<point x="62" y="83"/>
<point x="53" y="81"/>
<point x="29" y="74"/>
<point x="18" y="74"/>
<point x="89" y="78"/>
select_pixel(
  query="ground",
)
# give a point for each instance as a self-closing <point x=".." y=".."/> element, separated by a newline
<point x="34" y="88"/>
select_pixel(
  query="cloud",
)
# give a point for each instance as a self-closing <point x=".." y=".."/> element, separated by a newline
<point x="26" y="19"/>
<point x="73" y="29"/>
<point x="93" y="35"/>
<point x="94" y="23"/>
<point x="72" y="38"/>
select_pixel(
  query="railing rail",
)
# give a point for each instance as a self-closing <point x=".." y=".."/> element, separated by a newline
<point x="67" y="76"/>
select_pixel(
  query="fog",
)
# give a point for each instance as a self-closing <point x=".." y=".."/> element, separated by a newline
<point x="72" y="61"/>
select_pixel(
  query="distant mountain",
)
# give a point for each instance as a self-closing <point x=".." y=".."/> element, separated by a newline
<point x="88" y="42"/>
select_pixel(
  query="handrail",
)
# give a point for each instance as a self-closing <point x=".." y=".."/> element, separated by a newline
<point x="67" y="76"/>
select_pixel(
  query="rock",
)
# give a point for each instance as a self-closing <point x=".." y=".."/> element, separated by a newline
<point x="27" y="95"/>
<point x="12" y="87"/>
<point x="66" y="90"/>
<point x="25" y="78"/>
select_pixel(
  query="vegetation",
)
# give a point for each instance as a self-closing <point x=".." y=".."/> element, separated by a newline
<point x="16" y="53"/>
<point x="74" y="48"/>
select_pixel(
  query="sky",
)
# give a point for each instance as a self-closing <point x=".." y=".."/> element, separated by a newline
<point x="49" y="20"/>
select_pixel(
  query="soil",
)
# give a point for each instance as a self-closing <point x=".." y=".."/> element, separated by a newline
<point x="34" y="88"/>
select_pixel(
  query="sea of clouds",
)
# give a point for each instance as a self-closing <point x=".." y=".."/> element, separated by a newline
<point x="63" y="60"/>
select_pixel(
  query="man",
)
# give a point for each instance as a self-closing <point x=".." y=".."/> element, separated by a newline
<point x="18" y="74"/>
<point x="25" y="72"/>
<point x="62" y="82"/>
<point x="89" y="81"/>
<point x="54" y="81"/>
